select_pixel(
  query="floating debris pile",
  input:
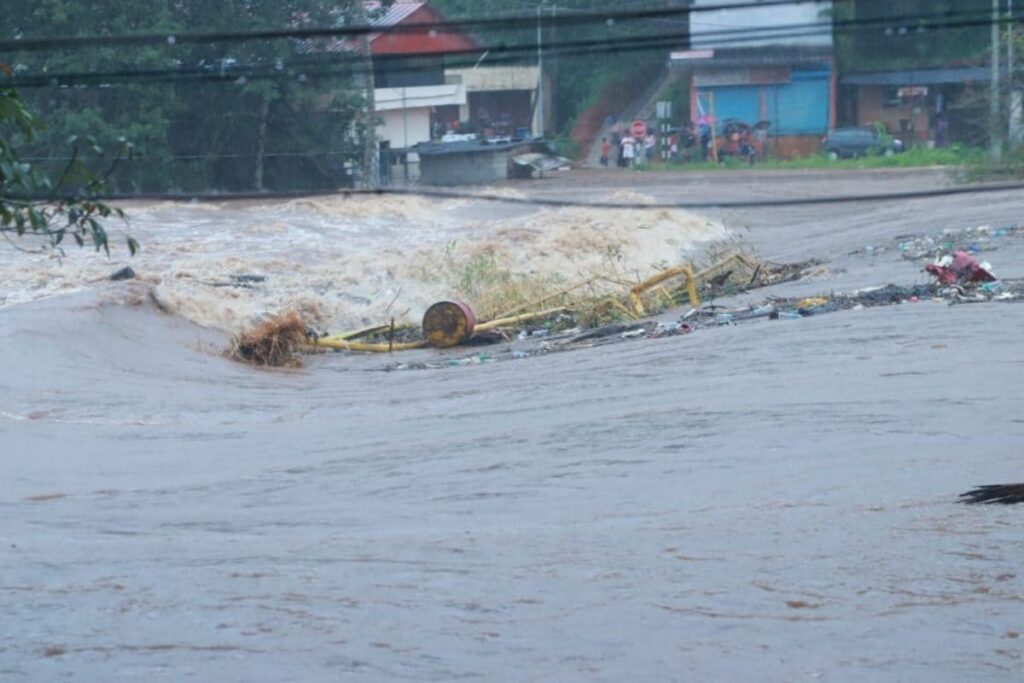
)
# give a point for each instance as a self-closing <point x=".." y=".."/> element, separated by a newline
<point x="276" y="342"/>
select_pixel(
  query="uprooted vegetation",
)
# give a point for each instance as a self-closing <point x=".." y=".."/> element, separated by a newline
<point x="275" y="342"/>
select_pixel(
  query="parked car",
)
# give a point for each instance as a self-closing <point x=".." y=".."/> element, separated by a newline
<point x="847" y="143"/>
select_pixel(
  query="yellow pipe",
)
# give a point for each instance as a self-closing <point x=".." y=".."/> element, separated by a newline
<point x="653" y="281"/>
<point x="503" y="322"/>
<point x="356" y="334"/>
<point x="360" y="347"/>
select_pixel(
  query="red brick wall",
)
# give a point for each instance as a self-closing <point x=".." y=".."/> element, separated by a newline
<point x="793" y="146"/>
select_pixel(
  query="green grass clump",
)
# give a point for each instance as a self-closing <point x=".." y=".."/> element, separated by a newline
<point x="955" y="155"/>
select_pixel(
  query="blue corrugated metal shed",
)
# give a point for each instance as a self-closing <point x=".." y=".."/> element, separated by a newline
<point x="800" y="107"/>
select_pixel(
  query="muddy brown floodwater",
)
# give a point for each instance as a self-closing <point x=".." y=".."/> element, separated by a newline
<point x="770" y="501"/>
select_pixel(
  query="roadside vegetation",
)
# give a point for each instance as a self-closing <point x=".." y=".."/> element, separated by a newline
<point x="52" y="207"/>
<point x="955" y="155"/>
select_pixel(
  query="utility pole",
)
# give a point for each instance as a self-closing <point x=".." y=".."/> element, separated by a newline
<point x="995" y="122"/>
<point x="371" y="164"/>
<point x="1016" y="109"/>
<point x="540" y="75"/>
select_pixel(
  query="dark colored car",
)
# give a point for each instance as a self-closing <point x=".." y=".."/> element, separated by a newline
<point x="847" y="143"/>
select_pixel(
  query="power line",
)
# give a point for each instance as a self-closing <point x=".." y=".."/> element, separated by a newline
<point x="315" y="65"/>
<point x="504" y="22"/>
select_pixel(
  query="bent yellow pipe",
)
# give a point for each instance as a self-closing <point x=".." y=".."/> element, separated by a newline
<point x="361" y="347"/>
<point x="655" y="280"/>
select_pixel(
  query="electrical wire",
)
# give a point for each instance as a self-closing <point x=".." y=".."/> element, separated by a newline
<point x="502" y="22"/>
<point x="313" y="65"/>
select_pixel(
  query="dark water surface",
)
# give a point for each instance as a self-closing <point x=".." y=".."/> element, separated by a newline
<point x="769" y="502"/>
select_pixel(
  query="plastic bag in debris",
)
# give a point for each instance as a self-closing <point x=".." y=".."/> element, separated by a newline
<point x="994" y="287"/>
<point x="960" y="267"/>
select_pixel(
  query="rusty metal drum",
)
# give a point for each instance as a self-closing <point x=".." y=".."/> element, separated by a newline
<point x="448" y="323"/>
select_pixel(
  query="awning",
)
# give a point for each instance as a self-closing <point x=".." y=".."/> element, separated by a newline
<point x="918" y="77"/>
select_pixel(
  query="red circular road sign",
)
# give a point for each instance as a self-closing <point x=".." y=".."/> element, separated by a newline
<point x="638" y="129"/>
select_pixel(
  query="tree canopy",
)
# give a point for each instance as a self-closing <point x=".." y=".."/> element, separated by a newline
<point x="233" y="116"/>
<point x="31" y="202"/>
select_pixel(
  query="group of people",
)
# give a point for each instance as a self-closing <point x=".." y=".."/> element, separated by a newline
<point x="634" y="150"/>
<point x="691" y="141"/>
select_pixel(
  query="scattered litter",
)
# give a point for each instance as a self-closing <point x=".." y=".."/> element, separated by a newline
<point x="670" y="329"/>
<point x="475" y="359"/>
<point x="973" y="240"/>
<point x="599" y="332"/>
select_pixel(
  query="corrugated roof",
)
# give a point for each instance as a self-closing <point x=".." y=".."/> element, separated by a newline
<point x="393" y="15"/>
<point x="434" y="148"/>
<point x="390" y="17"/>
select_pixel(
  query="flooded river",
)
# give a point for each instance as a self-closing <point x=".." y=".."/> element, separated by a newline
<point x="769" y="502"/>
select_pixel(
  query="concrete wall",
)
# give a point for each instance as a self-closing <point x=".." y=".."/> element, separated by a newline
<point x="464" y="169"/>
<point x="491" y="78"/>
<point x="704" y="23"/>
<point x="495" y="79"/>
<point x="390" y="99"/>
<point x="395" y="124"/>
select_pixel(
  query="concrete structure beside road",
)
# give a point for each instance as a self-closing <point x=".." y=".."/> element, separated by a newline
<point x="913" y="104"/>
<point x="475" y="162"/>
<point x="493" y="92"/>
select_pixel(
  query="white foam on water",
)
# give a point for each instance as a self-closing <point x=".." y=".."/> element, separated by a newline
<point x="350" y="261"/>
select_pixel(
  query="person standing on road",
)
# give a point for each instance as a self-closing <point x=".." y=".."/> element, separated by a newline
<point x="605" y="149"/>
<point x="628" y="150"/>
<point x="649" y="144"/>
<point x="704" y="135"/>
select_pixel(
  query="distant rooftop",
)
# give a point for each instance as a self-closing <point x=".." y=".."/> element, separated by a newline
<point x="391" y="16"/>
<point x="468" y="147"/>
